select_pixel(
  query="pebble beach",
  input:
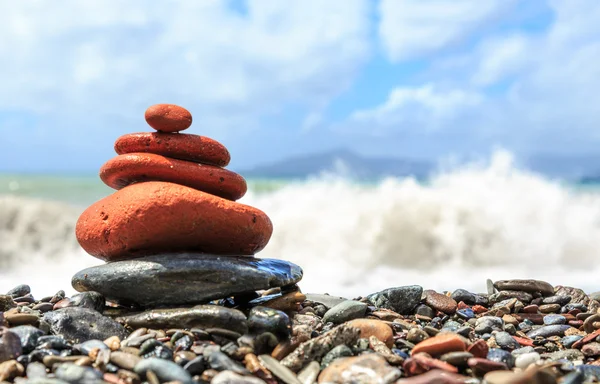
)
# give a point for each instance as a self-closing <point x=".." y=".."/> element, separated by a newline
<point x="520" y="331"/>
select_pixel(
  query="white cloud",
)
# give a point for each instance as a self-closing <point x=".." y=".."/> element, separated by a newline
<point x="423" y="108"/>
<point x="530" y="89"/>
<point x="413" y="28"/>
<point x="118" y="57"/>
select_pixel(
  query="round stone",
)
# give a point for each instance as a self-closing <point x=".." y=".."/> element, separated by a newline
<point x="185" y="278"/>
<point x="199" y="149"/>
<point x="440" y="302"/>
<point x="372" y="327"/>
<point x="154" y="217"/>
<point x="125" y="170"/>
<point x="168" y="117"/>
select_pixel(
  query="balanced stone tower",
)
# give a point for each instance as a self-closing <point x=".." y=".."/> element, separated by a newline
<point x="173" y="234"/>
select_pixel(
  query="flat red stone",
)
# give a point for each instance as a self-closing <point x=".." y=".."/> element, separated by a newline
<point x="168" y="117"/>
<point x="199" y="149"/>
<point x="154" y="217"/>
<point x="124" y="170"/>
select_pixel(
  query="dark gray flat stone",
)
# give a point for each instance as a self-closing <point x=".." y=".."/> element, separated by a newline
<point x="202" y="316"/>
<point x="185" y="278"/>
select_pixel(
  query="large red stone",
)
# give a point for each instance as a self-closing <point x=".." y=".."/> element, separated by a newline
<point x="124" y="170"/>
<point x="168" y="117"/>
<point x="154" y="217"/>
<point x="199" y="149"/>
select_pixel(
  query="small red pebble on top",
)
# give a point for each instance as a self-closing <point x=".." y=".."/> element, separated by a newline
<point x="168" y="117"/>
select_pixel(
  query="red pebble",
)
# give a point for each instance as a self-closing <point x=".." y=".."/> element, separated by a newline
<point x="124" y="170"/>
<point x="154" y="217"/>
<point x="479" y="348"/>
<point x="523" y="341"/>
<point x="479" y="309"/>
<point x="168" y="117"/>
<point x="199" y="149"/>
<point x="462" y="305"/>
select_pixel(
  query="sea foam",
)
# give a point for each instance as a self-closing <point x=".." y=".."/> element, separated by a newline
<point x="466" y="224"/>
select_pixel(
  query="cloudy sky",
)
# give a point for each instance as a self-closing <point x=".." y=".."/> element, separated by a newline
<point x="273" y="78"/>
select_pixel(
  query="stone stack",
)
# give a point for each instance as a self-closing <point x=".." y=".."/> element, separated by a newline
<point x="173" y="234"/>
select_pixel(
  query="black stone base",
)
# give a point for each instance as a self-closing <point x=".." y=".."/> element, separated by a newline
<point x="185" y="278"/>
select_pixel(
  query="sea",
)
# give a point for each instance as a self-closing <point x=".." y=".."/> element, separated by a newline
<point x="455" y="229"/>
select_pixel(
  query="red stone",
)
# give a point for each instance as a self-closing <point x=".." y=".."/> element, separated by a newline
<point x="199" y="149"/>
<point x="168" y="117"/>
<point x="479" y="348"/>
<point x="154" y="217"/>
<point x="523" y="341"/>
<point x="440" y="344"/>
<point x="478" y="309"/>
<point x="124" y="170"/>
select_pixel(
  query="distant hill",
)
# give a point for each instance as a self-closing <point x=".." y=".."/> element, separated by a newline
<point x="342" y="162"/>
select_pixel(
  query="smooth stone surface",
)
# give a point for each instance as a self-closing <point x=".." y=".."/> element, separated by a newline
<point x="440" y="302"/>
<point x="522" y="296"/>
<point x="264" y="319"/>
<point x="441" y="344"/>
<point x="184" y="278"/>
<point x="548" y="330"/>
<point x="506" y="341"/>
<point x="554" y="320"/>
<point x="369" y="368"/>
<point x="372" y="327"/>
<point x="168" y="117"/>
<point x="195" y="148"/>
<point x="28" y="335"/>
<point x="19" y="290"/>
<point x="527" y="285"/>
<point x="282" y="372"/>
<point x="345" y="311"/>
<point x="165" y="370"/>
<point x="81" y="324"/>
<point x="526" y="359"/>
<point x="228" y="377"/>
<point x="73" y="373"/>
<point x="154" y="217"/>
<point x="201" y="316"/>
<point x="92" y="300"/>
<point x="10" y="346"/>
<point x="402" y="300"/>
<point x="131" y="168"/>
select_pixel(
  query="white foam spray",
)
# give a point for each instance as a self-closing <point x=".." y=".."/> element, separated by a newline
<point x="488" y="220"/>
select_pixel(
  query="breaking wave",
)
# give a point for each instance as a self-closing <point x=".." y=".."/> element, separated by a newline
<point x="466" y="224"/>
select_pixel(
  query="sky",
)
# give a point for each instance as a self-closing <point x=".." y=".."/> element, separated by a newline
<point x="272" y="79"/>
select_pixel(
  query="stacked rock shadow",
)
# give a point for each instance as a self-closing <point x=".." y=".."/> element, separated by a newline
<point x="173" y="234"/>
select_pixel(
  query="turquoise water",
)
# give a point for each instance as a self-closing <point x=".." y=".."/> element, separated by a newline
<point x="84" y="189"/>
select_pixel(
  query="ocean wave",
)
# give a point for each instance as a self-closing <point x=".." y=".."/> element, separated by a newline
<point x="464" y="225"/>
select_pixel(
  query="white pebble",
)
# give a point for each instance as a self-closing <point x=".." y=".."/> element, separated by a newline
<point x="526" y="359"/>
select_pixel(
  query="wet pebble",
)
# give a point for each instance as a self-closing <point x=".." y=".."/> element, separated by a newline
<point x="165" y="370"/>
<point x="345" y="311"/>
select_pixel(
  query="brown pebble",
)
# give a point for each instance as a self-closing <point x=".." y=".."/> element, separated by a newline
<point x="359" y="369"/>
<point x="549" y="308"/>
<point x="49" y="361"/>
<point x="43" y="307"/>
<point x="531" y="309"/>
<point x="15" y="319"/>
<point x="372" y="327"/>
<point x="84" y="362"/>
<point x="209" y="374"/>
<point x="152" y="378"/>
<point x="434" y="376"/>
<point x="481" y="366"/>
<point x="440" y="302"/>
<point x="124" y="360"/>
<point x="288" y="302"/>
<point x="10" y="369"/>
<point x="168" y="117"/>
<point x="113" y="342"/>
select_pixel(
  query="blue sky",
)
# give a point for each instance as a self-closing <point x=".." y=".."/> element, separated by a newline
<point x="272" y="78"/>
